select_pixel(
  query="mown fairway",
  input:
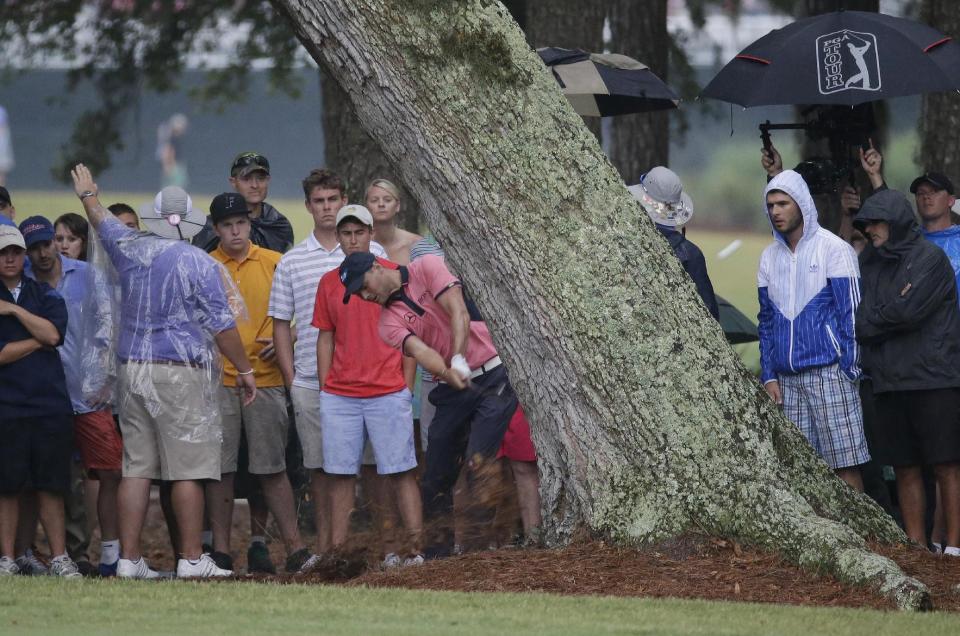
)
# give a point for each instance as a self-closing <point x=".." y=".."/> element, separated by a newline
<point x="49" y="606"/>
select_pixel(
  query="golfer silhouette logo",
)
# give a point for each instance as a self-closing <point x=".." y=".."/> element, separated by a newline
<point x="848" y="60"/>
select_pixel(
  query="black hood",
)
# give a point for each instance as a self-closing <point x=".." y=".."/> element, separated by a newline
<point x="894" y="208"/>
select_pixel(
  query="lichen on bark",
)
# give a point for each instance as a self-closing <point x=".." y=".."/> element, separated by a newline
<point x="646" y="423"/>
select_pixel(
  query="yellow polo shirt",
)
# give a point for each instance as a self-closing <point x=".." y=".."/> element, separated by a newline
<point x="254" y="277"/>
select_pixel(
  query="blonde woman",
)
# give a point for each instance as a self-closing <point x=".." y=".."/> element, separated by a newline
<point x="383" y="200"/>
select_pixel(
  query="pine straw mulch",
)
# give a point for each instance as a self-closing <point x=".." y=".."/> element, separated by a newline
<point x="690" y="567"/>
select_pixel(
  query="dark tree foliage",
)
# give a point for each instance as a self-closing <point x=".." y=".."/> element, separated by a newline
<point x="127" y="46"/>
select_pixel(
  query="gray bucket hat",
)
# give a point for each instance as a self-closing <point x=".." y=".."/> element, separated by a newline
<point x="171" y="215"/>
<point x="661" y="194"/>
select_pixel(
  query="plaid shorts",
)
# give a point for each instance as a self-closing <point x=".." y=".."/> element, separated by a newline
<point x="825" y="406"/>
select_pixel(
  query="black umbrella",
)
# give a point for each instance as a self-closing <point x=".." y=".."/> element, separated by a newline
<point x="845" y="57"/>
<point x="604" y="84"/>
<point x="736" y="326"/>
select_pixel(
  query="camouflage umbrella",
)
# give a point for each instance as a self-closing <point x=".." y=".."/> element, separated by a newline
<point x="605" y="84"/>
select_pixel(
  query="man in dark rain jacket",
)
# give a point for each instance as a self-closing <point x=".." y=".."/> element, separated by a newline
<point x="908" y="325"/>
<point x="661" y="195"/>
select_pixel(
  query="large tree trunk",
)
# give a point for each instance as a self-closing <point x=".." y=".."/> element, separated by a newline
<point x="646" y="422"/>
<point x="940" y="145"/>
<point x="569" y="24"/>
<point x="350" y="152"/>
<point x="642" y="141"/>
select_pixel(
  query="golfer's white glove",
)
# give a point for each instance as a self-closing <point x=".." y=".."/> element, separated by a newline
<point x="459" y="364"/>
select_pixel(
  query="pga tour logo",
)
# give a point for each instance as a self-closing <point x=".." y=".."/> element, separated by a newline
<point x="848" y="60"/>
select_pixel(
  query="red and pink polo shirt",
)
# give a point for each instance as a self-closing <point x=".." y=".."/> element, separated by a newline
<point x="414" y="310"/>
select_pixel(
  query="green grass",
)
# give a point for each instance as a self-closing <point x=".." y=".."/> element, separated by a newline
<point x="735" y="277"/>
<point x="51" y="606"/>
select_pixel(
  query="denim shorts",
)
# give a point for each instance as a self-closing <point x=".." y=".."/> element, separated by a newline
<point x="387" y="420"/>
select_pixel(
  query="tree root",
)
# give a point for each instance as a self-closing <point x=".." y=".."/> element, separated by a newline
<point x="815" y="542"/>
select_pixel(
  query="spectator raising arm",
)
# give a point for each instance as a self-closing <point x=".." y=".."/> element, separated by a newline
<point x="87" y="190"/>
<point x="872" y="163"/>
<point x="771" y="161"/>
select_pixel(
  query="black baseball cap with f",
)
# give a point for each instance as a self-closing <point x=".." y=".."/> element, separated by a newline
<point x="352" y="270"/>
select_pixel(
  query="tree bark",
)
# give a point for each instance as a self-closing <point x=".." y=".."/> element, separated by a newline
<point x="350" y="152"/>
<point x="642" y="141"/>
<point x="940" y="119"/>
<point x="647" y="424"/>
<point x="568" y="24"/>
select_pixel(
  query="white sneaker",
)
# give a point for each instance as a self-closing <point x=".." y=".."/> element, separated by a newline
<point x="309" y="564"/>
<point x="30" y="565"/>
<point x="64" y="567"/>
<point x="205" y="568"/>
<point x="392" y="560"/>
<point x="127" y="569"/>
<point x="8" y="567"/>
<point x="414" y="560"/>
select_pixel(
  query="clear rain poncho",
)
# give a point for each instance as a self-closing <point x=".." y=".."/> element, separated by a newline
<point x="173" y="300"/>
<point x="87" y="353"/>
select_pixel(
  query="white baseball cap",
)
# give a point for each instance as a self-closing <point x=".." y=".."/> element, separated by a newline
<point x="358" y="212"/>
<point x="10" y="235"/>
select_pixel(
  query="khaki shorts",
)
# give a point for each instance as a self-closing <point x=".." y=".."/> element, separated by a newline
<point x="265" y="424"/>
<point x="306" y="413"/>
<point x="175" y="437"/>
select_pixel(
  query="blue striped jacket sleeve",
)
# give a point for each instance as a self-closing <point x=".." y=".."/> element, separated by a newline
<point x="765" y="324"/>
<point x="846" y="296"/>
<point x="843" y="277"/>
<point x="765" y="331"/>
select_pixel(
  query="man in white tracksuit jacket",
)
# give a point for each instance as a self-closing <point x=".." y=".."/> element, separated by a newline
<point x="809" y="287"/>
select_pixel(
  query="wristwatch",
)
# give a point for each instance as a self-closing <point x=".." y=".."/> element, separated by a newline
<point x="88" y="193"/>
